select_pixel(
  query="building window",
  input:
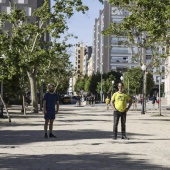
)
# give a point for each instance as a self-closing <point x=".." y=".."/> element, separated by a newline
<point x="8" y="9"/>
<point x="2" y="1"/>
<point x="23" y="1"/>
<point x="163" y="69"/>
<point x="157" y="79"/>
<point x="119" y="50"/>
<point x="78" y="61"/>
<point x="148" y="57"/>
<point x="78" y="66"/>
<point x="78" y="56"/>
<point x="20" y="1"/>
<point x="28" y="11"/>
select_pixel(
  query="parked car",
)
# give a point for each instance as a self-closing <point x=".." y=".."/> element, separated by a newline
<point x="76" y="97"/>
<point x="66" y="100"/>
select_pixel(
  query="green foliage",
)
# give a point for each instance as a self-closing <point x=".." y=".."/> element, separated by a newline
<point x="135" y="78"/>
<point x="92" y="84"/>
<point x="79" y="85"/>
<point x="145" y="16"/>
<point x="27" y="53"/>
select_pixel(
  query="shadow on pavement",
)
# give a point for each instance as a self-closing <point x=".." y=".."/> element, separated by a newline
<point x="22" y="137"/>
<point x="103" y="161"/>
<point x="156" y="119"/>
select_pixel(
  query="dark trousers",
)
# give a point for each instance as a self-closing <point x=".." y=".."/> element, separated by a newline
<point x="116" y="116"/>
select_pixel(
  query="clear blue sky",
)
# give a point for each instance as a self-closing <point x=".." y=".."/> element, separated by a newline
<point x="81" y="25"/>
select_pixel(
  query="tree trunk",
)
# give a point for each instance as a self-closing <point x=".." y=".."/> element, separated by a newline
<point x="32" y="79"/>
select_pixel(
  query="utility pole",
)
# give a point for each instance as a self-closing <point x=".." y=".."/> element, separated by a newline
<point x="144" y="73"/>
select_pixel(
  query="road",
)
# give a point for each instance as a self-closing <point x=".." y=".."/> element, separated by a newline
<point x="84" y="141"/>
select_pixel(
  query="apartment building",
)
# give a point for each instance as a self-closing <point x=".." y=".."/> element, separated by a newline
<point x="79" y="59"/>
<point x="107" y="54"/>
<point x="29" y="6"/>
<point x="87" y="57"/>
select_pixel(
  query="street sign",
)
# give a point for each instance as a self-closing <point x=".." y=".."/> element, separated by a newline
<point x="101" y="92"/>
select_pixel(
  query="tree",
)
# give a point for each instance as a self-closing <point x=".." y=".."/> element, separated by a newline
<point x="26" y="53"/>
<point x="79" y="85"/>
<point x="135" y="78"/>
<point x="106" y="85"/>
<point x="145" y="17"/>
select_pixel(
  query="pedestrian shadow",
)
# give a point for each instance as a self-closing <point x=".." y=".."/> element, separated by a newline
<point x="86" y="161"/>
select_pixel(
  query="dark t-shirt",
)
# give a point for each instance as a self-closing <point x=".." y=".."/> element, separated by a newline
<point x="153" y="99"/>
<point x="50" y="102"/>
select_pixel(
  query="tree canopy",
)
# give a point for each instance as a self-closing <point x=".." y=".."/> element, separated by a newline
<point x="143" y="17"/>
<point x="25" y="49"/>
<point x="133" y="81"/>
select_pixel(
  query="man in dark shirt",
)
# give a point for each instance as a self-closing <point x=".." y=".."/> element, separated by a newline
<point x="50" y="100"/>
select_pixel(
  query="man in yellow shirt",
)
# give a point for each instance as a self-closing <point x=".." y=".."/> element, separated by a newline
<point x="107" y="100"/>
<point x="118" y="103"/>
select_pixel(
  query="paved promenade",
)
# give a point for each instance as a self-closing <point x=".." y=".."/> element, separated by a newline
<point x="84" y="141"/>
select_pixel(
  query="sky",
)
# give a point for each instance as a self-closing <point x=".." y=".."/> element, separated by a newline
<point x="81" y="25"/>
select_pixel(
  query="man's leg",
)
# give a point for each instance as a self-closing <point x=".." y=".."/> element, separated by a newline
<point x="123" y="124"/>
<point x="51" y="128"/>
<point x="115" y="125"/>
<point x="45" y="128"/>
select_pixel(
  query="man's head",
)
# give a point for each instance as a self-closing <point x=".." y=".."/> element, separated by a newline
<point x="51" y="88"/>
<point x="120" y="86"/>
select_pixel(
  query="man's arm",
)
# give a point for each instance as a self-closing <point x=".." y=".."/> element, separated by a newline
<point x="57" y="109"/>
<point x="130" y="104"/>
<point x="113" y="104"/>
<point x="44" y="106"/>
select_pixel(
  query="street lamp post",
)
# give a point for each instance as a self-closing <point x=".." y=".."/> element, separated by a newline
<point x="143" y="91"/>
<point x="101" y="88"/>
<point x="101" y="91"/>
<point x="112" y="87"/>
<point x="121" y="78"/>
<point x="160" y="95"/>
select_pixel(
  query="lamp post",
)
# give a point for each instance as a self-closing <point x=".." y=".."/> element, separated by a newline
<point x="101" y="88"/>
<point x="160" y="95"/>
<point x="121" y="78"/>
<point x="112" y="87"/>
<point x="143" y="91"/>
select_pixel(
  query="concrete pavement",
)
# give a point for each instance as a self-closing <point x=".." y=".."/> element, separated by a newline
<point x="84" y="141"/>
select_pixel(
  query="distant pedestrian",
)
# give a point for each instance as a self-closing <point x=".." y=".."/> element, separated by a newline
<point x="89" y="100"/>
<point x="157" y="101"/>
<point x="148" y="98"/>
<point x="153" y="100"/>
<point x="119" y="104"/>
<point x="134" y="102"/>
<point x="141" y="100"/>
<point x="107" y="100"/>
<point x="92" y="100"/>
<point x="50" y="100"/>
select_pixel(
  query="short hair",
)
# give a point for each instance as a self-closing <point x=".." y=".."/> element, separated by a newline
<point x="121" y="84"/>
<point x="50" y="85"/>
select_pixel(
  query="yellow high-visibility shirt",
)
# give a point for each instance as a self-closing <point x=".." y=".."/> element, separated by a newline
<point x="120" y="101"/>
<point x="107" y="100"/>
